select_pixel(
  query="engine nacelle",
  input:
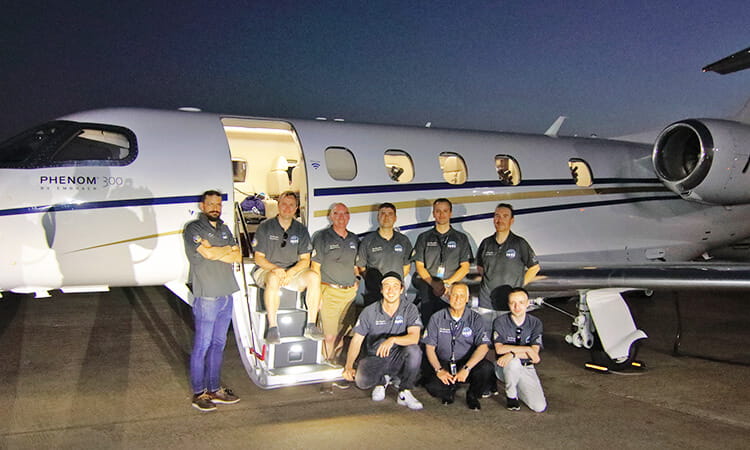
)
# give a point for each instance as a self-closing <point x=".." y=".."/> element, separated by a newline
<point x="705" y="160"/>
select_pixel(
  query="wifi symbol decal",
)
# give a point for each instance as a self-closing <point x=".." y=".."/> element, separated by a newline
<point x="315" y="164"/>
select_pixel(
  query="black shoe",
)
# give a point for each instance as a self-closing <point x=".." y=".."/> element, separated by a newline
<point x="488" y="394"/>
<point x="447" y="400"/>
<point x="203" y="402"/>
<point x="472" y="402"/>
<point x="512" y="404"/>
<point x="273" y="336"/>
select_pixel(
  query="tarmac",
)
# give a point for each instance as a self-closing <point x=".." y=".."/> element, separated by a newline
<point x="110" y="370"/>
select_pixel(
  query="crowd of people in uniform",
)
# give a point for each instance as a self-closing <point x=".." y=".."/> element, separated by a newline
<point x="436" y="340"/>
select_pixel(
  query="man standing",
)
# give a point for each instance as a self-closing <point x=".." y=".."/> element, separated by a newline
<point x="441" y="258"/>
<point x="505" y="261"/>
<point x="282" y="256"/>
<point x="456" y="343"/>
<point x="382" y="251"/>
<point x="518" y="340"/>
<point x="211" y="250"/>
<point x="334" y="252"/>
<point x="390" y="330"/>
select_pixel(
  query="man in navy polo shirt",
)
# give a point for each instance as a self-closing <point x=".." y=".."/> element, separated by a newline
<point x="441" y="257"/>
<point x="211" y="251"/>
<point x="390" y="330"/>
<point x="518" y="341"/>
<point x="505" y="261"/>
<point x="456" y="343"/>
<point x="382" y="251"/>
<point x="282" y="257"/>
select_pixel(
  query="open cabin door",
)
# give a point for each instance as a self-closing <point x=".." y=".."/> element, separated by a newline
<point x="267" y="160"/>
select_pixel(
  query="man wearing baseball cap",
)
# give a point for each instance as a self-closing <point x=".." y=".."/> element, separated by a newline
<point x="390" y="330"/>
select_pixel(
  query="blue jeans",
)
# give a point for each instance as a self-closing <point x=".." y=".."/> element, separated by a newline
<point x="212" y="316"/>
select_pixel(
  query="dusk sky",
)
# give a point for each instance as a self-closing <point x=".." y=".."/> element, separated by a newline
<point x="613" y="67"/>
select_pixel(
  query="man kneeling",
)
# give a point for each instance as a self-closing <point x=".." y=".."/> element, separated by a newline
<point x="456" y="343"/>
<point x="390" y="330"/>
<point x="518" y="340"/>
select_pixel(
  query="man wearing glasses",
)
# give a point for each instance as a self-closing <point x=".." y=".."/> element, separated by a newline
<point x="518" y="340"/>
<point x="282" y="257"/>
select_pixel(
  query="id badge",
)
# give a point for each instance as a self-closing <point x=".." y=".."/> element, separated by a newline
<point x="453" y="368"/>
<point x="441" y="271"/>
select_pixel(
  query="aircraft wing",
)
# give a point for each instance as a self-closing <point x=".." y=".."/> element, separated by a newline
<point x="732" y="63"/>
<point x="693" y="275"/>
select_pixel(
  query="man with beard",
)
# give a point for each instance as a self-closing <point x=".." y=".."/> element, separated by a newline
<point x="211" y="250"/>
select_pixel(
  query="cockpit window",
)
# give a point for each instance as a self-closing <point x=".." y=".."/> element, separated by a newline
<point x="64" y="143"/>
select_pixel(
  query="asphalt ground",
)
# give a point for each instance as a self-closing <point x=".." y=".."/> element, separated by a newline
<point x="110" y="370"/>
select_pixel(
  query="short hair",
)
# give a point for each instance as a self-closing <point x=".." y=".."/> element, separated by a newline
<point x="209" y="193"/>
<point x="506" y="205"/>
<point x="289" y="194"/>
<point x="330" y="210"/>
<point x="443" y="200"/>
<point x="387" y="205"/>
<point x="518" y="289"/>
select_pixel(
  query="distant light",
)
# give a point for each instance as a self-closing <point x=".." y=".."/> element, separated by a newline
<point x="321" y="118"/>
<point x="338" y="120"/>
<point x="189" y="109"/>
<point x="428" y="125"/>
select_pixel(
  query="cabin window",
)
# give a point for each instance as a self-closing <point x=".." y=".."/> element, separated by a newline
<point x="341" y="164"/>
<point x="581" y="172"/>
<point x="64" y="143"/>
<point x="453" y="168"/>
<point x="93" y="145"/>
<point x="399" y="166"/>
<point x="508" y="170"/>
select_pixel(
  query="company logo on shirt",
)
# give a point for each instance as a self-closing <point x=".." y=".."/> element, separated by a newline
<point x="466" y="332"/>
<point x="294" y="240"/>
<point x="352" y="246"/>
<point x="398" y="248"/>
<point x="380" y="323"/>
<point x="399" y="320"/>
<point x="510" y="253"/>
<point x="224" y="235"/>
<point x="451" y="244"/>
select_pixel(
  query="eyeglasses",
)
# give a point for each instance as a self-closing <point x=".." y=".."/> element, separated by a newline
<point x="283" y="239"/>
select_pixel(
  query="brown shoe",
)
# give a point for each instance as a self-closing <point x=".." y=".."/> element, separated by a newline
<point x="224" y="396"/>
<point x="203" y="402"/>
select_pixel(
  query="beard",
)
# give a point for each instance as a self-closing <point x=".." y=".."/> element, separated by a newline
<point x="213" y="215"/>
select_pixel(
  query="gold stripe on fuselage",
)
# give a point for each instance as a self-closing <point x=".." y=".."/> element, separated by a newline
<point x="506" y="196"/>
<point x="127" y="241"/>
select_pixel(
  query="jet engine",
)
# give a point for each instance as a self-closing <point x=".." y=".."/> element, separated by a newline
<point x="705" y="160"/>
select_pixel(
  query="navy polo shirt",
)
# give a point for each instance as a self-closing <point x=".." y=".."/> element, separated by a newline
<point x="449" y="249"/>
<point x="336" y="256"/>
<point x="377" y="326"/>
<point x="503" y="264"/>
<point x="269" y="240"/>
<point x="462" y="336"/>
<point x="209" y="278"/>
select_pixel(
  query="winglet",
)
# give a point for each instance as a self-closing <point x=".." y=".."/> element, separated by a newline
<point x="555" y="127"/>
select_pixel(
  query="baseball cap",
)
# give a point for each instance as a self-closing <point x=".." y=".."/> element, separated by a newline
<point x="393" y="274"/>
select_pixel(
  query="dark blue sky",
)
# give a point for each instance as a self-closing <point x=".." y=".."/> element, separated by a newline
<point x="613" y="67"/>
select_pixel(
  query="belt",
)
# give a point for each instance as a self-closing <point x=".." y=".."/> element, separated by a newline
<point x="527" y="363"/>
<point x="338" y="286"/>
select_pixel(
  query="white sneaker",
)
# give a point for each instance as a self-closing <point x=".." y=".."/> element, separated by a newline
<point x="378" y="394"/>
<point x="406" y="398"/>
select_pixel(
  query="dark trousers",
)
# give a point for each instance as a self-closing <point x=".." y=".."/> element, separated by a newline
<point x="480" y="379"/>
<point x="428" y="302"/>
<point x="402" y="362"/>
